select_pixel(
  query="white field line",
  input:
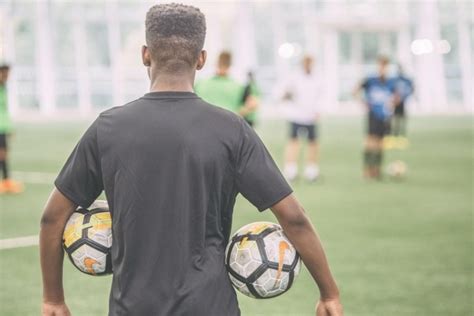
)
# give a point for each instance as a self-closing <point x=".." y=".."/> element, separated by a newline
<point x="34" y="177"/>
<point x="19" y="242"/>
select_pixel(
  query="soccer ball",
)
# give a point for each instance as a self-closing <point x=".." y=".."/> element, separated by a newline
<point x="261" y="261"/>
<point x="397" y="169"/>
<point x="87" y="239"/>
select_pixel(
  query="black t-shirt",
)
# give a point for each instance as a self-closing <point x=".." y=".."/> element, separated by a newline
<point x="171" y="166"/>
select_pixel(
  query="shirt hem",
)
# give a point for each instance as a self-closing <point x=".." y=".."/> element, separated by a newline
<point x="281" y="196"/>
<point x="71" y="196"/>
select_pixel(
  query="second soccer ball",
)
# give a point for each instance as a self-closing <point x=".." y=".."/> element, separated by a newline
<point x="261" y="261"/>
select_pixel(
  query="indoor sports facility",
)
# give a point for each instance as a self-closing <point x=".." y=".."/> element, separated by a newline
<point x="398" y="245"/>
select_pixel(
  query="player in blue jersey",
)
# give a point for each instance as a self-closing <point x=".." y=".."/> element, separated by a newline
<point x="404" y="89"/>
<point x="378" y="95"/>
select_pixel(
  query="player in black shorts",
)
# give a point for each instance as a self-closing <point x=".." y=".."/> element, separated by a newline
<point x="379" y="97"/>
<point x="301" y="94"/>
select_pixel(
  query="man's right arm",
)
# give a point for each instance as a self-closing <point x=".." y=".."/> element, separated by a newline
<point x="300" y="232"/>
<point x="57" y="211"/>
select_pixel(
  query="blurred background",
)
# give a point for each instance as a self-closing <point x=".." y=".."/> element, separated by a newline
<point x="400" y="246"/>
<point x="84" y="56"/>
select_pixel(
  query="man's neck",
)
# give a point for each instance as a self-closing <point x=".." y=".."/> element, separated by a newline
<point x="172" y="83"/>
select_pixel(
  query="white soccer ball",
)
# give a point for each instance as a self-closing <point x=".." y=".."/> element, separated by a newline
<point x="397" y="169"/>
<point x="87" y="239"/>
<point x="261" y="261"/>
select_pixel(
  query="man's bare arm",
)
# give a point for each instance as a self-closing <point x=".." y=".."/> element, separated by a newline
<point x="250" y="106"/>
<point x="57" y="211"/>
<point x="301" y="233"/>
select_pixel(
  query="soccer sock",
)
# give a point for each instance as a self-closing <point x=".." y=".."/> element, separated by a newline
<point x="4" y="167"/>
<point x="378" y="161"/>
<point x="396" y="127"/>
<point x="377" y="158"/>
<point x="369" y="158"/>
<point x="402" y="128"/>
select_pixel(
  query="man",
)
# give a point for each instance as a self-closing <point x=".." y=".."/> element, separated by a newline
<point x="223" y="91"/>
<point x="301" y="93"/>
<point x="379" y="99"/>
<point x="404" y="89"/>
<point x="7" y="185"/>
<point x="171" y="166"/>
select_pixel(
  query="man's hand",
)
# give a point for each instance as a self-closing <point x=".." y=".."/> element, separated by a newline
<point x="55" y="310"/>
<point x="331" y="307"/>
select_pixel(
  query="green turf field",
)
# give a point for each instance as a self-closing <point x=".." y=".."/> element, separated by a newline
<point x="396" y="248"/>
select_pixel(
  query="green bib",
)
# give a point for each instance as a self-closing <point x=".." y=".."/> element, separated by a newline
<point x="221" y="91"/>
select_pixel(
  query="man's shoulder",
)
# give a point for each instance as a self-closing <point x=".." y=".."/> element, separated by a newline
<point x="119" y="109"/>
<point x="216" y="111"/>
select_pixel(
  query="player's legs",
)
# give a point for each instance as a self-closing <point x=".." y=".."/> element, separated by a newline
<point x="373" y="151"/>
<point x="312" y="155"/>
<point x="3" y="162"/>
<point x="291" y="153"/>
<point x="3" y="156"/>
<point x="396" y="125"/>
<point x="6" y="184"/>
<point x="399" y="127"/>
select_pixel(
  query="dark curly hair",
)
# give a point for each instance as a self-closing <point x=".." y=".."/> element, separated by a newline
<point x="175" y="35"/>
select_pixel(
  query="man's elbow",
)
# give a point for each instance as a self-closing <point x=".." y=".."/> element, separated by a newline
<point x="297" y="220"/>
<point x="48" y="220"/>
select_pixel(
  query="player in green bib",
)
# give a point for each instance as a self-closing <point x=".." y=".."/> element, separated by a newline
<point x="224" y="91"/>
<point x="6" y="184"/>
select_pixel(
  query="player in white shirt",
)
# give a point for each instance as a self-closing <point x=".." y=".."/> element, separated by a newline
<point x="301" y="94"/>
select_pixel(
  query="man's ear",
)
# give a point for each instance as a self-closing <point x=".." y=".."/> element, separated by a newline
<point x="201" y="60"/>
<point x="146" y="58"/>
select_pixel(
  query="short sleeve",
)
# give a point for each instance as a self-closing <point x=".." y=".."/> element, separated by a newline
<point x="257" y="176"/>
<point x="80" y="180"/>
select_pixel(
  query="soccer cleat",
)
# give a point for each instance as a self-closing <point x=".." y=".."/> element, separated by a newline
<point x="311" y="173"/>
<point x="11" y="186"/>
<point x="290" y="171"/>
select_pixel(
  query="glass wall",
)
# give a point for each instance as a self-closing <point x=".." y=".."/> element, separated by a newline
<point x="85" y="56"/>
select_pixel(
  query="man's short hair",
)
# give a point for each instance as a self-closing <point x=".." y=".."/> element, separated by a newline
<point x="175" y="35"/>
<point x="4" y="67"/>
<point x="225" y="59"/>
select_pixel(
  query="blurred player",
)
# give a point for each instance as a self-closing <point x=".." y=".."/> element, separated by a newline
<point x="7" y="185"/>
<point x="404" y="89"/>
<point x="224" y="91"/>
<point x="379" y="98"/>
<point x="302" y="94"/>
<point x="171" y="166"/>
<point x="250" y="100"/>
